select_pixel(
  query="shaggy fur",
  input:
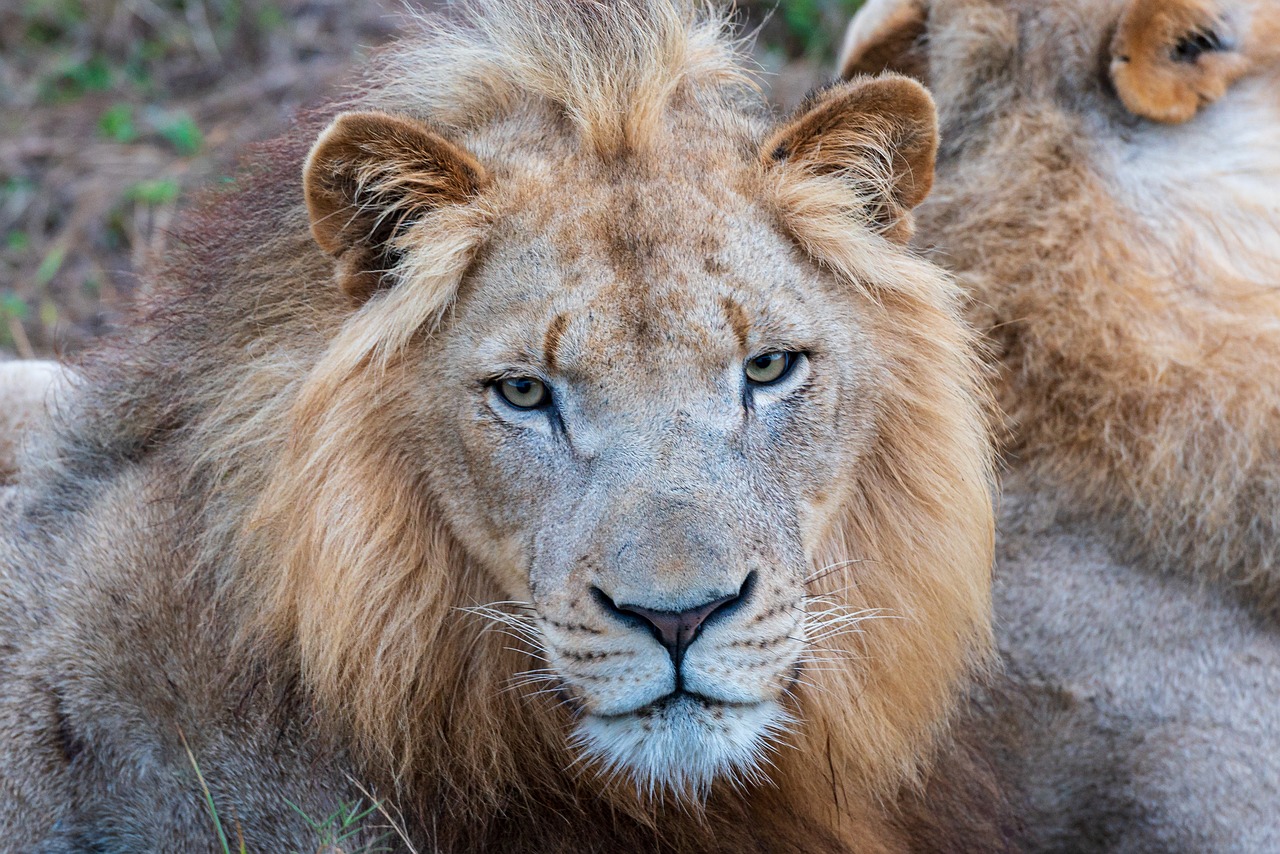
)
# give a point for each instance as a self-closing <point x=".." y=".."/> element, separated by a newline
<point x="284" y="492"/>
<point x="1127" y="273"/>
<point x="1128" y="278"/>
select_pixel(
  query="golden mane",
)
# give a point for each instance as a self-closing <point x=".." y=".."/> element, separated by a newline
<point x="611" y="68"/>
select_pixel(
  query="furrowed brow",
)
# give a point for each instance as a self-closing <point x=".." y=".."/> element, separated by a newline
<point x="551" y="341"/>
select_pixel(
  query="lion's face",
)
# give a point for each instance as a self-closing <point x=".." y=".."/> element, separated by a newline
<point x="659" y="392"/>
<point x="643" y="437"/>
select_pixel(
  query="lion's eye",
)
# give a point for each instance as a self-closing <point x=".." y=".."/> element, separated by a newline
<point x="768" y="368"/>
<point x="524" y="392"/>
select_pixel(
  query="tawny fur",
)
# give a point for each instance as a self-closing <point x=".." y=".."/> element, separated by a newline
<point x="1128" y="280"/>
<point x="1126" y="273"/>
<point x="255" y="547"/>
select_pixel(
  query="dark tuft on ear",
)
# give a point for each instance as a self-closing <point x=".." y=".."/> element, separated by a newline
<point x="878" y="133"/>
<point x="370" y="176"/>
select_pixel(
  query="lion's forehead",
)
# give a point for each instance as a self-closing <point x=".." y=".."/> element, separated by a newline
<point x="698" y="271"/>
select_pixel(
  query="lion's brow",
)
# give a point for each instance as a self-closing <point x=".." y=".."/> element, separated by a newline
<point x="738" y="320"/>
<point x="551" y="341"/>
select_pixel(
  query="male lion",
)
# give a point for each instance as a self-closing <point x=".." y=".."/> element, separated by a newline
<point x="1108" y="191"/>
<point x="558" y="332"/>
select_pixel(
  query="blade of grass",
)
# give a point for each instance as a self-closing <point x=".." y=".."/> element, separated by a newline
<point x="208" y="797"/>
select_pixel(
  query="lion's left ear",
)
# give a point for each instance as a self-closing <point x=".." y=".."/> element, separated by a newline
<point x="880" y="134"/>
<point x="371" y="175"/>
<point x="1169" y="58"/>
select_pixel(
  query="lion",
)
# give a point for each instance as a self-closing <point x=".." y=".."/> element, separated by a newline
<point x="1108" y="192"/>
<point x="1129" y="280"/>
<point x="546" y="448"/>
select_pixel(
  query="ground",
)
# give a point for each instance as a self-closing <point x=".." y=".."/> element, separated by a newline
<point x="114" y="113"/>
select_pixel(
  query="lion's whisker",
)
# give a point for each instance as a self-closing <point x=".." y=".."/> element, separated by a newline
<point x="823" y="572"/>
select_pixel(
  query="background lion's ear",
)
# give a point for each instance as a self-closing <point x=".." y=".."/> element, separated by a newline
<point x="880" y="134"/>
<point x="1171" y="57"/>
<point x="886" y="35"/>
<point x="370" y="175"/>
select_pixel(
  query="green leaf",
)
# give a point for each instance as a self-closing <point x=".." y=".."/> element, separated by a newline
<point x="94" y="75"/>
<point x="51" y="264"/>
<point x="16" y="186"/>
<point x="76" y="79"/>
<point x="116" y="124"/>
<point x="12" y="305"/>
<point x="208" y="797"/>
<point x="49" y="21"/>
<point x="271" y="17"/>
<point x="183" y="134"/>
<point x="157" y="191"/>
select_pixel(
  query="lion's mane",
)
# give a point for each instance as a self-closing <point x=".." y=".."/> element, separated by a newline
<point x="287" y="410"/>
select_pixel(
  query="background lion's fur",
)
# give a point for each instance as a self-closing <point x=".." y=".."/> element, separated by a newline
<point x="238" y="476"/>
<point x="1135" y="335"/>
<point x="1129" y="281"/>
<point x="1126" y="274"/>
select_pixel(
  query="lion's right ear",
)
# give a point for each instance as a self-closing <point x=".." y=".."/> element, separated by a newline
<point x="878" y="136"/>
<point x="370" y="176"/>
<point x="887" y="35"/>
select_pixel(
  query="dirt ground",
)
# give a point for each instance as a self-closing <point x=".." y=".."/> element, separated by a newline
<point x="113" y="112"/>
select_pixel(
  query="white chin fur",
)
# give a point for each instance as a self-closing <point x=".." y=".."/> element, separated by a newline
<point x="683" y="745"/>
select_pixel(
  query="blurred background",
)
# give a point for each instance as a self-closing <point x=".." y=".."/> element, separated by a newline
<point x="114" y="112"/>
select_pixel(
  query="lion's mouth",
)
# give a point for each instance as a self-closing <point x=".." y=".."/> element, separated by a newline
<point x="684" y="742"/>
<point x="663" y="704"/>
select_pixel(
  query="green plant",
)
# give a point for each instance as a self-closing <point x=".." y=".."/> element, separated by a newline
<point x="51" y="263"/>
<point x="180" y="131"/>
<point x="333" y="832"/>
<point x="75" y="78"/>
<point x="155" y="191"/>
<point x="208" y="801"/>
<point x="340" y="827"/>
<point x="48" y="21"/>
<point x="816" y="26"/>
<point x="116" y="123"/>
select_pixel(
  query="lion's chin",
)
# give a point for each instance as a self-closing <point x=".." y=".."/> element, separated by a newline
<point x="682" y="744"/>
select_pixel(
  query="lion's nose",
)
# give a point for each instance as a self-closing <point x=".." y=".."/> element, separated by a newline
<point x="676" y="630"/>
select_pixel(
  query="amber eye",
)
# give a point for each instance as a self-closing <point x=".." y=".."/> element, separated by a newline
<point x="524" y="392"/>
<point x="768" y="368"/>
